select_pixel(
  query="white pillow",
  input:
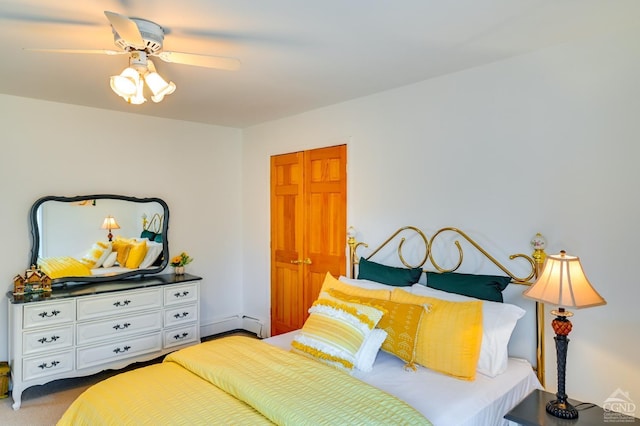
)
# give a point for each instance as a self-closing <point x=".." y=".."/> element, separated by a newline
<point x="367" y="284"/>
<point x="110" y="260"/>
<point x="366" y="355"/>
<point x="498" y="322"/>
<point x="153" y="251"/>
<point x="96" y="255"/>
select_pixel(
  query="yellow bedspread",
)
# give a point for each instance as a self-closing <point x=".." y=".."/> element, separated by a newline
<point x="63" y="266"/>
<point x="237" y="380"/>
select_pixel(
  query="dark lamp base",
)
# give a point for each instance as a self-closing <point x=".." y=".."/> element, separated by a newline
<point x="563" y="410"/>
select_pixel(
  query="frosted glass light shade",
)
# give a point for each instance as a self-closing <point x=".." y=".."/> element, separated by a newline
<point x="159" y="87"/>
<point x="125" y="84"/>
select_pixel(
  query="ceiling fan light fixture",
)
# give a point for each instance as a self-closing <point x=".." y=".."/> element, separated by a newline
<point x="126" y="84"/>
<point x="138" y="97"/>
<point x="158" y="86"/>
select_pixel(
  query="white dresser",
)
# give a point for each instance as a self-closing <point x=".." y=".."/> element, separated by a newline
<point x="85" y="329"/>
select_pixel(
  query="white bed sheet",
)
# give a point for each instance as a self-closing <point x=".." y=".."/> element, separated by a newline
<point x="444" y="400"/>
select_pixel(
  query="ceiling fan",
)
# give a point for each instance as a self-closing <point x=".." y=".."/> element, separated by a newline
<point x="142" y="39"/>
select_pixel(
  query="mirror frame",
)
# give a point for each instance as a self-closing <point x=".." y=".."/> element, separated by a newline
<point x="35" y="236"/>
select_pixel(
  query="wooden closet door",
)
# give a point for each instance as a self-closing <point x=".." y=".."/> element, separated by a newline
<point x="286" y="242"/>
<point x="308" y="230"/>
<point x="325" y="235"/>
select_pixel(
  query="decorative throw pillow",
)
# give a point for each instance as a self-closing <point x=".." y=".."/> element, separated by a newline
<point x="391" y="275"/>
<point x="484" y="287"/>
<point x="148" y="235"/>
<point x="121" y="247"/>
<point x="335" y="331"/>
<point x="498" y="322"/>
<point x="331" y="282"/>
<point x="401" y="322"/>
<point x="96" y="254"/>
<point x="449" y="337"/>
<point x="136" y="254"/>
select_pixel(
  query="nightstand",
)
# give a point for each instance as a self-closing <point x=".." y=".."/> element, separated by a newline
<point x="531" y="412"/>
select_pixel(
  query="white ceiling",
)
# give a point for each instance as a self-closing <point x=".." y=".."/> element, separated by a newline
<point x="296" y="55"/>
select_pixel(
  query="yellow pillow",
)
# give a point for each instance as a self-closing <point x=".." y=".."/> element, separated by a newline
<point x="449" y="337"/>
<point x="335" y="331"/>
<point x="401" y="321"/>
<point x="330" y="282"/>
<point x="136" y="254"/>
<point x="122" y="248"/>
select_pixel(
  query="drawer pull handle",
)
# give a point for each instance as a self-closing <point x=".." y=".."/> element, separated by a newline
<point x="45" y="340"/>
<point x="183" y="294"/>
<point x="181" y="336"/>
<point x="49" y="315"/>
<point x="125" y="303"/>
<point x="45" y="365"/>
<point x="125" y="349"/>
<point x="123" y="326"/>
<point x="181" y="315"/>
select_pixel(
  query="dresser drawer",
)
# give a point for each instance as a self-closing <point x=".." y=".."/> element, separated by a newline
<point x="180" y="315"/>
<point x="48" y="339"/>
<point x="117" y="303"/>
<point x="49" y="313"/>
<point x="118" y="350"/>
<point x="183" y="293"/>
<point x="180" y="335"/>
<point x="47" y="365"/>
<point x="99" y="331"/>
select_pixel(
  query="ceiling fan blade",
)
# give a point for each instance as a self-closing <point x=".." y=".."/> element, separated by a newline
<point x="82" y="51"/>
<point x="126" y="28"/>
<point x="217" y="62"/>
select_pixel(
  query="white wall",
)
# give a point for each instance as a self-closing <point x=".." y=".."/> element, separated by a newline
<point x="58" y="149"/>
<point x="545" y="142"/>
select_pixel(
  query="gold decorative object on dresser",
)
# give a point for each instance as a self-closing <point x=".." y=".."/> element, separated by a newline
<point x="84" y="329"/>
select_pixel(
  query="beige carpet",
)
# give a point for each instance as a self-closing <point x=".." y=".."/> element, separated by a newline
<point x="44" y="405"/>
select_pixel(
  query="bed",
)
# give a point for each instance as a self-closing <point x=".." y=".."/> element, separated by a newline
<point x="108" y="258"/>
<point x="365" y="355"/>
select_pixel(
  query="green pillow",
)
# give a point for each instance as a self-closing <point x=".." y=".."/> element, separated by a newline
<point x="400" y="277"/>
<point x="158" y="238"/>
<point x="485" y="287"/>
<point x="148" y="235"/>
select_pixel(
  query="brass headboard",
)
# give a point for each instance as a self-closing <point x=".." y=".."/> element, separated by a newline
<point x="153" y="225"/>
<point x="533" y="263"/>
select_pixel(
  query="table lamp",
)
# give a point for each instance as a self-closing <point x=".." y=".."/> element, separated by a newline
<point x="564" y="284"/>
<point x="110" y="223"/>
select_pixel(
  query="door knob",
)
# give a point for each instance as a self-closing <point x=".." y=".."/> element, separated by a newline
<point x="306" y="261"/>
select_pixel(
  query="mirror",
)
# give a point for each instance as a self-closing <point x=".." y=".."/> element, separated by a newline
<point x="70" y="237"/>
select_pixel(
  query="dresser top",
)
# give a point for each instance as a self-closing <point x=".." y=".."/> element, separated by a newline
<point x="86" y="289"/>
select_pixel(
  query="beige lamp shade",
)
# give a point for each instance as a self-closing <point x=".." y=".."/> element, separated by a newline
<point x="563" y="283"/>
<point x="110" y="223"/>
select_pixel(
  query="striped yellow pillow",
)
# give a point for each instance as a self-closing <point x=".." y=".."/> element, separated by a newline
<point x="449" y="338"/>
<point x="330" y="282"/>
<point x="335" y="331"/>
<point x="401" y="321"/>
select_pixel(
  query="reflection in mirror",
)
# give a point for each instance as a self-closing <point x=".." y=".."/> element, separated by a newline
<point x="99" y="237"/>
